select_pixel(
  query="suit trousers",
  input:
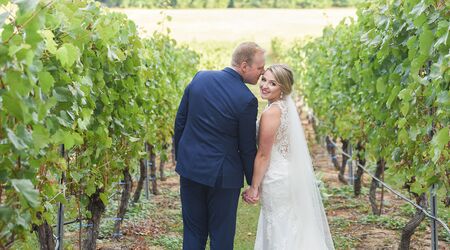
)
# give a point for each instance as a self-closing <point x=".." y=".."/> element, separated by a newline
<point x="208" y="211"/>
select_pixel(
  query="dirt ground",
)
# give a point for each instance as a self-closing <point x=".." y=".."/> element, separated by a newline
<point x="365" y="236"/>
<point x="344" y="213"/>
<point x="259" y="25"/>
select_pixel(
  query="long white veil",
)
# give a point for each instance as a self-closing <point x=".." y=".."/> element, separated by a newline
<point x="304" y="193"/>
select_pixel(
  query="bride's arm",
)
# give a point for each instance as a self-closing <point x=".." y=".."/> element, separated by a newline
<point x="269" y="123"/>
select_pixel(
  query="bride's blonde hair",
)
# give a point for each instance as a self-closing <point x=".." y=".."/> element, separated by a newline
<point x="284" y="76"/>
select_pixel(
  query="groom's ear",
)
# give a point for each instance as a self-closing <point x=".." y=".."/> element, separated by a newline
<point x="244" y="67"/>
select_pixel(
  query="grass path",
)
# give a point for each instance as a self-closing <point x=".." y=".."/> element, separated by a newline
<point x="158" y="225"/>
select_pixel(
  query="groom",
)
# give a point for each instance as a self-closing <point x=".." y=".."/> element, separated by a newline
<point x="215" y="145"/>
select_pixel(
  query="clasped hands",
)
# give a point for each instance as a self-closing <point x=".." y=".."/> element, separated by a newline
<point x="251" y="195"/>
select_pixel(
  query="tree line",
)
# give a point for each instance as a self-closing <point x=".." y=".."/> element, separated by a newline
<point x="230" y="3"/>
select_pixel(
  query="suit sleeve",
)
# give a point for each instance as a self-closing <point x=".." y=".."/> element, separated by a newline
<point x="180" y="120"/>
<point x="247" y="138"/>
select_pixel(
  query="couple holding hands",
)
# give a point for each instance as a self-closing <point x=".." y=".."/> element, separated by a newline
<point x="218" y="141"/>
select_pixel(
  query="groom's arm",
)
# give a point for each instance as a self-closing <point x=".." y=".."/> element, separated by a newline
<point x="247" y="138"/>
<point x="180" y="120"/>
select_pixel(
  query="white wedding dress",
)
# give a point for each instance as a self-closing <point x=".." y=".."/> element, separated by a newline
<point x="292" y="214"/>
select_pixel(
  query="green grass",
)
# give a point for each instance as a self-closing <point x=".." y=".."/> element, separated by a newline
<point x="214" y="55"/>
<point x="136" y="212"/>
<point x="344" y="242"/>
<point x="384" y="221"/>
<point x="247" y="221"/>
<point x="339" y="227"/>
<point x="169" y="242"/>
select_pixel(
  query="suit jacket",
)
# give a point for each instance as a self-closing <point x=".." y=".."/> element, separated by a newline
<point x="215" y="130"/>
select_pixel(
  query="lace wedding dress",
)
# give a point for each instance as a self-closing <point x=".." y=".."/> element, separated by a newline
<point x="292" y="214"/>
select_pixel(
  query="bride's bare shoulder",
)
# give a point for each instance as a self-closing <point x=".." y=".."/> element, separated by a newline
<point x="272" y="113"/>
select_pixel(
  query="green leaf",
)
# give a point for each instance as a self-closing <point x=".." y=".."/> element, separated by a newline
<point x="63" y="137"/>
<point x="436" y="72"/>
<point x="26" y="189"/>
<point x="115" y="54"/>
<point x="419" y="9"/>
<point x="46" y="81"/>
<point x="68" y="54"/>
<point x="77" y="138"/>
<point x="32" y="35"/>
<point x="69" y="139"/>
<point x="18" y="142"/>
<point x="405" y="95"/>
<point x="393" y="95"/>
<point x="108" y="142"/>
<point x="19" y="51"/>
<point x="26" y="5"/>
<point x="48" y="38"/>
<point x="41" y="137"/>
<point x="104" y="198"/>
<point x="441" y="138"/>
<point x="62" y="94"/>
<point x="106" y="32"/>
<point x="403" y="136"/>
<point x="3" y="17"/>
<point x="23" y="133"/>
<point x="435" y="153"/>
<point x="417" y="63"/>
<point x="134" y="139"/>
<point x="413" y="132"/>
<point x="83" y="123"/>
<point x="444" y="98"/>
<point x="8" y="30"/>
<point x="411" y="43"/>
<point x="6" y="213"/>
<point x="404" y="108"/>
<point x="60" y="198"/>
<point x="442" y="32"/>
<point x="17" y="83"/>
<point x="402" y="122"/>
<point x="14" y="105"/>
<point x="381" y="86"/>
<point x="90" y="188"/>
<point x="44" y="108"/>
<point x="420" y="20"/>
<point x="416" y="187"/>
<point x="432" y="180"/>
<point x="76" y="176"/>
<point x="426" y="41"/>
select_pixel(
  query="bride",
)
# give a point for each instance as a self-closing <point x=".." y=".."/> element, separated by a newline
<point x="292" y="214"/>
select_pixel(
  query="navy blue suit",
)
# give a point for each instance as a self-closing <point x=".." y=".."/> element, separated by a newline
<point x="215" y="147"/>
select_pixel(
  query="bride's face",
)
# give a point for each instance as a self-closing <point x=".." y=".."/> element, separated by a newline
<point x="268" y="87"/>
